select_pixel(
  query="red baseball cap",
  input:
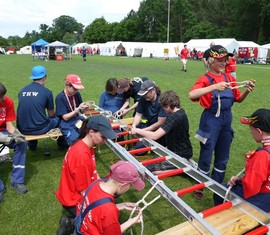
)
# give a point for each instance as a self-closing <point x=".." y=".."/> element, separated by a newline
<point x="75" y="81"/>
<point x="126" y="172"/>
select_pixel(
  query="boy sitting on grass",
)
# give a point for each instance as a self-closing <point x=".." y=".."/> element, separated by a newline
<point x="254" y="186"/>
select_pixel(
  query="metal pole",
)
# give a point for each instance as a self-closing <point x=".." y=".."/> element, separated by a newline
<point x="168" y="28"/>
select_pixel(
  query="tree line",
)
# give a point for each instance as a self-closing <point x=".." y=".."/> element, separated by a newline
<point x="244" y="20"/>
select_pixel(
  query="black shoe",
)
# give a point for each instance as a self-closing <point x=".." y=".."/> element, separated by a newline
<point x="66" y="226"/>
<point x="185" y="70"/>
<point x="32" y="145"/>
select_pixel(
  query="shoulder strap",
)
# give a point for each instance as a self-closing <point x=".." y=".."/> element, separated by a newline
<point x="95" y="204"/>
<point x="211" y="80"/>
<point x="265" y="149"/>
<point x="87" y="190"/>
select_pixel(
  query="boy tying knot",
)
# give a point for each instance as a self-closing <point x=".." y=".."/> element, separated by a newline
<point x="254" y="186"/>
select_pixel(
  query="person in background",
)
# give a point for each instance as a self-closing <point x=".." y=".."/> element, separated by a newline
<point x="35" y="101"/>
<point x="184" y="57"/>
<point x="109" y="99"/>
<point x="206" y="54"/>
<point x="12" y="138"/>
<point x="83" y="53"/>
<point x="254" y="186"/>
<point x="231" y="65"/>
<point x="216" y="91"/>
<point x="79" y="167"/>
<point x="175" y="129"/>
<point x="70" y="109"/>
<point x="130" y="88"/>
<point x="104" y="219"/>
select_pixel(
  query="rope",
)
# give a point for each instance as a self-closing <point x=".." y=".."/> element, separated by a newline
<point x="245" y="83"/>
<point x="54" y="133"/>
<point x="146" y="204"/>
<point x="229" y="188"/>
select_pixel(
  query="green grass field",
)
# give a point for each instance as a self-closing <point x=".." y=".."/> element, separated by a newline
<point x="38" y="211"/>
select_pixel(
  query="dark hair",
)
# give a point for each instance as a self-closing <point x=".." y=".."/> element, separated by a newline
<point x="158" y="90"/>
<point x="169" y="98"/>
<point x="3" y="90"/>
<point x="111" y="84"/>
<point x="84" y="129"/>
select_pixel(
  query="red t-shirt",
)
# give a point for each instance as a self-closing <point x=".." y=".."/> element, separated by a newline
<point x="206" y="100"/>
<point x="78" y="172"/>
<point x="102" y="219"/>
<point x="231" y="65"/>
<point x="257" y="173"/>
<point x="7" y="112"/>
<point x="184" y="53"/>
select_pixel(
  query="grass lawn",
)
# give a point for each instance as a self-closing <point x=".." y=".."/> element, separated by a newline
<point x="38" y="211"/>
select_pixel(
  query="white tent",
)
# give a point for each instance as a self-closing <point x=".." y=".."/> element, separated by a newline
<point x="109" y="48"/>
<point x="77" y="47"/>
<point x="266" y="46"/>
<point x="58" y="50"/>
<point x="203" y="44"/>
<point x="252" y="50"/>
<point x="26" y="50"/>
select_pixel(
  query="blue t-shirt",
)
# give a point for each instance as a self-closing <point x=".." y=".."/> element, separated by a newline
<point x="111" y="102"/>
<point x="135" y="88"/>
<point x="62" y="104"/>
<point x="34" y="99"/>
<point x="150" y="111"/>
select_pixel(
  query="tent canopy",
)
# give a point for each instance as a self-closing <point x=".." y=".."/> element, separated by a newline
<point x="36" y="46"/>
<point x="57" y="44"/>
<point x="58" y="49"/>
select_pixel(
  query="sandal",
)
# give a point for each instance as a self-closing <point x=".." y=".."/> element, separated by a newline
<point x="199" y="194"/>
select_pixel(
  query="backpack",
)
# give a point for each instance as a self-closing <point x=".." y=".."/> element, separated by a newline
<point x="80" y="217"/>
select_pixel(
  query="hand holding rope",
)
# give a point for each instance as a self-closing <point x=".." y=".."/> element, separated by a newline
<point x="146" y="204"/>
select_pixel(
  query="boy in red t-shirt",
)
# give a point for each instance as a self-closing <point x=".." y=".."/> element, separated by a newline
<point x="254" y="186"/>
<point x="103" y="219"/>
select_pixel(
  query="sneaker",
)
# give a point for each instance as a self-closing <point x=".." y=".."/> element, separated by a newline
<point x="20" y="188"/>
<point x="2" y="195"/>
<point x="66" y="226"/>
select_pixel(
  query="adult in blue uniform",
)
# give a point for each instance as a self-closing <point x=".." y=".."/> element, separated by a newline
<point x="35" y="101"/>
<point x="70" y="109"/>
<point x="149" y="113"/>
<point x="216" y="92"/>
<point x="130" y="88"/>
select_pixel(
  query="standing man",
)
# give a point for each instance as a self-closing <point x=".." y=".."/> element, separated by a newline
<point x="11" y="137"/>
<point x="35" y="101"/>
<point x="184" y="56"/>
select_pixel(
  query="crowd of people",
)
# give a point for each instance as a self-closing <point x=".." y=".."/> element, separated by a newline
<point x="158" y="115"/>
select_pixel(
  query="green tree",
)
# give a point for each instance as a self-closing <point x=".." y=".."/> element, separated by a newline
<point x="65" y="24"/>
<point x="98" y="31"/>
<point x="152" y="21"/>
<point x="126" y="30"/>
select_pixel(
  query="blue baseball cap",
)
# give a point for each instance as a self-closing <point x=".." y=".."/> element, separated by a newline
<point x="38" y="72"/>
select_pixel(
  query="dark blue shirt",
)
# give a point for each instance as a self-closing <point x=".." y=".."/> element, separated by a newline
<point x="150" y="111"/>
<point x="34" y="99"/>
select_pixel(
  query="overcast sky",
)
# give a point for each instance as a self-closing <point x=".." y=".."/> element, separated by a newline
<point x="19" y="16"/>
